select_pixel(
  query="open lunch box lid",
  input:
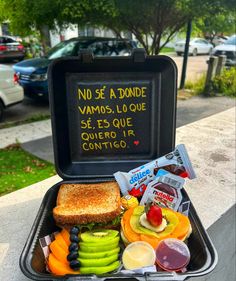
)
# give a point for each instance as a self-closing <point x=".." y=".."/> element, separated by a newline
<point x="117" y="111"/>
<point x="139" y="93"/>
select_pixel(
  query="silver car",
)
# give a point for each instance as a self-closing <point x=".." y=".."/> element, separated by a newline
<point x="228" y="49"/>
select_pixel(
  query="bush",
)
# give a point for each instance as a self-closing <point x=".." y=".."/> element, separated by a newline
<point x="225" y="83"/>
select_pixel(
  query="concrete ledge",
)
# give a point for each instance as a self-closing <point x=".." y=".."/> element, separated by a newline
<point x="211" y="146"/>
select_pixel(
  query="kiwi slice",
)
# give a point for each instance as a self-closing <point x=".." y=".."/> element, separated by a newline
<point x="94" y="248"/>
<point x="97" y="236"/>
<point x="85" y="255"/>
<point x="98" y="261"/>
<point x="100" y="269"/>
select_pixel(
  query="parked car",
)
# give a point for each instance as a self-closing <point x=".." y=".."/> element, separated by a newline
<point x="196" y="46"/>
<point x="10" y="49"/>
<point x="32" y="73"/>
<point x="10" y="92"/>
<point x="228" y="49"/>
<point x="219" y="40"/>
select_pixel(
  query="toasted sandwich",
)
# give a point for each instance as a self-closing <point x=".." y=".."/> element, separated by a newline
<point x="90" y="205"/>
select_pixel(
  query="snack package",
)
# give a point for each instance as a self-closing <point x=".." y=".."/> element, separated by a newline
<point x="135" y="181"/>
<point x="164" y="191"/>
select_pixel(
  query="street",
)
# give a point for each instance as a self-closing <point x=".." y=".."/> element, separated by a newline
<point x="196" y="67"/>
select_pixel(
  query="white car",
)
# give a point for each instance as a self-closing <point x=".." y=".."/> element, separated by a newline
<point x="228" y="49"/>
<point x="196" y="46"/>
<point x="10" y="92"/>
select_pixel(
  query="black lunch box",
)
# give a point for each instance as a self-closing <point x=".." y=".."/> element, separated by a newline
<point x="111" y="114"/>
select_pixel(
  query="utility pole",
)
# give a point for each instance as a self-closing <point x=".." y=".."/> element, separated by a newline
<point x="185" y="60"/>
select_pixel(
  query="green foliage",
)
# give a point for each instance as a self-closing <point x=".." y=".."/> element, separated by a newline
<point x="25" y="16"/>
<point x="222" y="23"/>
<point x="225" y="83"/>
<point x="167" y="50"/>
<point x="153" y="22"/>
<point x="19" y="169"/>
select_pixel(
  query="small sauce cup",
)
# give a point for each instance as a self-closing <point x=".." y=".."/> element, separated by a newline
<point x="172" y="255"/>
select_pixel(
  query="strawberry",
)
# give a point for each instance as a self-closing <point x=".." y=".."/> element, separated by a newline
<point x="154" y="215"/>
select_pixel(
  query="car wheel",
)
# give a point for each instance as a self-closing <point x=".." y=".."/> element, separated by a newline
<point x="1" y="110"/>
<point x="194" y="52"/>
<point x="179" y="54"/>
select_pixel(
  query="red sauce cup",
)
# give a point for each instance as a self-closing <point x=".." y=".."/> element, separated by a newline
<point x="172" y="255"/>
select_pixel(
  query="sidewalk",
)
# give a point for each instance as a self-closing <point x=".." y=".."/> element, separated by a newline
<point x="25" y="133"/>
<point x="188" y="111"/>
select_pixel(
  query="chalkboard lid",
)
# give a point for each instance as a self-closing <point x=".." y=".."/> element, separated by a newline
<point x="75" y="85"/>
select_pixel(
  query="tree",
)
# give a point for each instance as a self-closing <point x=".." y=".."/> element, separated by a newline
<point x="153" y="22"/>
<point x="222" y="23"/>
<point x="26" y="16"/>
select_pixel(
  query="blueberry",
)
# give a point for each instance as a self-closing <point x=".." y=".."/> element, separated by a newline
<point x="74" y="238"/>
<point x="75" y="264"/>
<point x="74" y="230"/>
<point x="72" y="256"/>
<point x="73" y="247"/>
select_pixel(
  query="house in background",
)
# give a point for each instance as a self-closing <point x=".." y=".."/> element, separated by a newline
<point x="74" y="31"/>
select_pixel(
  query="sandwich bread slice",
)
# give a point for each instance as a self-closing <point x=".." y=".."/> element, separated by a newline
<point x="81" y="204"/>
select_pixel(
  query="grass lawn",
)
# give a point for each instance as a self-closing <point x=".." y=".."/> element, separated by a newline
<point x="167" y="50"/>
<point x="19" y="169"/>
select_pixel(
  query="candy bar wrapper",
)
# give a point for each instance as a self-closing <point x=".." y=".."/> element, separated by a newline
<point x="135" y="181"/>
<point x="44" y="243"/>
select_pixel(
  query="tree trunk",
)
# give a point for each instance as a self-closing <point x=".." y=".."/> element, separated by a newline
<point x="45" y="37"/>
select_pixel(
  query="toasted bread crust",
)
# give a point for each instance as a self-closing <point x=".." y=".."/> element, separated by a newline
<point x="86" y="203"/>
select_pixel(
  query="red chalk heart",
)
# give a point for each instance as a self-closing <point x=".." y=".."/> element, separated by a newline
<point x="136" y="142"/>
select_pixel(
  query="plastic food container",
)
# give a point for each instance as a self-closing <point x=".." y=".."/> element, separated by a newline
<point x="172" y="255"/>
<point x="88" y="97"/>
<point x="138" y="254"/>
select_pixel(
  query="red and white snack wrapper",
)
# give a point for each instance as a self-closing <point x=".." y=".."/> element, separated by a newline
<point x="44" y="243"/>
<point x="165" y="191"/>
<point x="135" y="181"/>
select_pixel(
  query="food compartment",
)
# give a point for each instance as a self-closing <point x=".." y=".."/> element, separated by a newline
<point x="32" y="262"/>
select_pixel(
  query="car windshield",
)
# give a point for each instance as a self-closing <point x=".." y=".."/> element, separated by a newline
<point x="99" y="48"/>
<point x="231" y="41"/>
<point x="61" y="50"/>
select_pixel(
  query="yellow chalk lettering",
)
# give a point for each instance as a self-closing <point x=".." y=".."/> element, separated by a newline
<point x="85" y="146"/>
<point x="122" y="122"/>
<point x="112" y="94"/>
<point x="85" y="136"/>
<point x="143" y="89"/>
<point x="137" y="107"/>
<point x="103" y="124"/>
<point x="104" y="145"/>
<point x="131" y="133"/>
<point x="85" y="94"/>
<point x="86" y="124"/>
<point x="132" y="92"/>
<point x="100" y="93"/>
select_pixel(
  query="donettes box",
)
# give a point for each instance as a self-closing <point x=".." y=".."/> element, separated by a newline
<point x="108" y="115"/>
